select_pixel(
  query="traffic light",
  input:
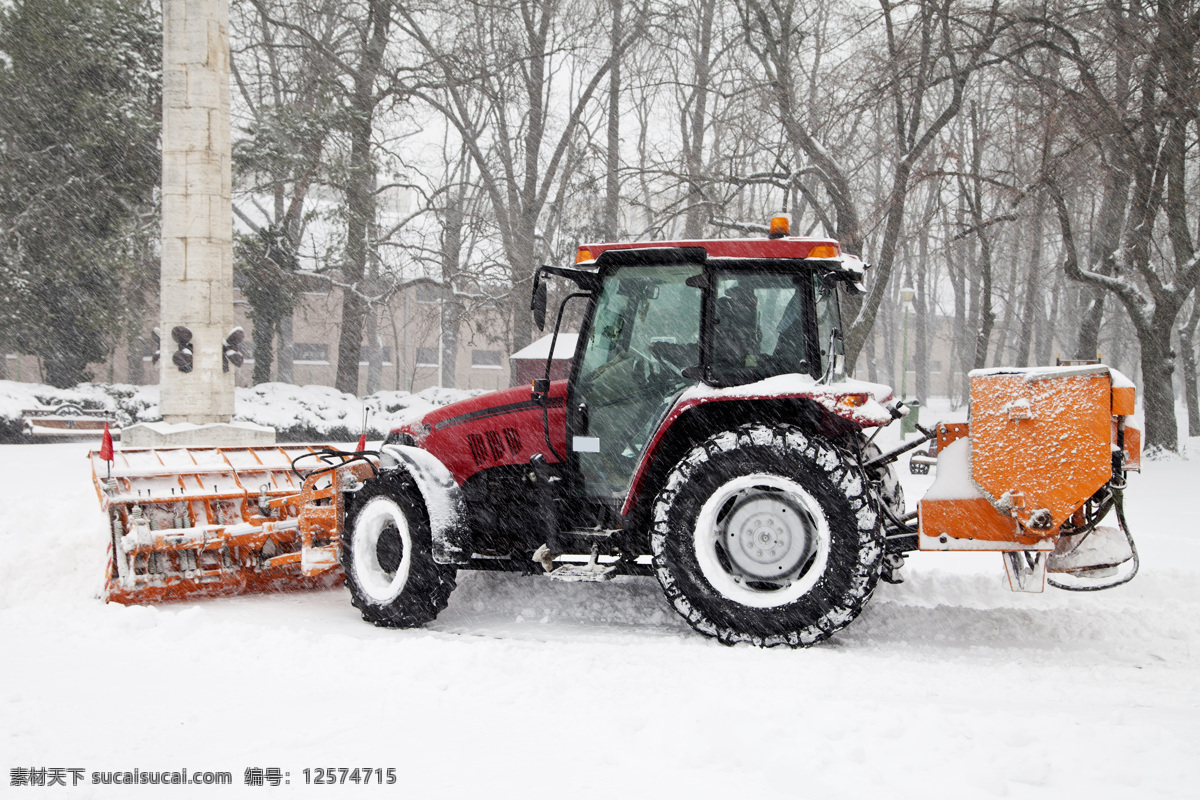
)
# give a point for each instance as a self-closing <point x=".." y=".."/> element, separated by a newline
<point x="183" y="356"/>
<point x="157" y="346"/>
<point x="231" y="349"/>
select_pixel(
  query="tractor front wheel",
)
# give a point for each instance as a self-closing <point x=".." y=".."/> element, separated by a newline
<point x="765" y="534"/>
<point x="387" y="553"/>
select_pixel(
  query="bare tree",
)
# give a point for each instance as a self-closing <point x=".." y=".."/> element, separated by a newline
<point x="1142" y="128"/>
<point x="364" y="82"/>
<point x="285" y="110"/>
<point x="789" y="43"/>
<point x="1191" y="381"/>
<point x="498" y="70"/>
<point x="932" y="48"/>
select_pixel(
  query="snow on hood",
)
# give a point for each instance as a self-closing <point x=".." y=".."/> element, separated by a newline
<point x="800" y="385"/>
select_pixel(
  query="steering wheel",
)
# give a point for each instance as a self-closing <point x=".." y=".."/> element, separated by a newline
<point x="643" y="365"/>
<point x="675" y="357"/>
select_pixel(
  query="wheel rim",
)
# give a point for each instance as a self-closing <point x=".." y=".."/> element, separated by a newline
<point x="762" y="540"/>
<point x="382" y="550"/>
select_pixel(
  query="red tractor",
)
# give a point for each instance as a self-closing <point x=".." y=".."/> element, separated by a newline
<point x="707" y="435"/>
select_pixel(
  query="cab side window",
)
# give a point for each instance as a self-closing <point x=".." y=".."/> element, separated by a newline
<point x="761" y="326"/>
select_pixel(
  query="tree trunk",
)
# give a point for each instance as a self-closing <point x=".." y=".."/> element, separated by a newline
<point x="1033" y="285"/>
<point x="969" y="347"/>
<point x="987" y="316"/>
<point x="891" y="334"/>
<point x="921" y="306"/>
<point x="1187" y="346"/>
<point x="523" y="259"/>
<point x="287" y="352"/>
<point x="957" y="276"/>
<point x="1046" y="331"/>
<point x="360" y="196"/>
<point x="612" y="154"/>
<point x="697" y="213"/>
<point x="451" y="311"/>
<point x="1158" y="395"/>
<point x="872" y="359"/>
<point x="1003" y="340"/>
<point x="865" y="313"/>
<point x="374" y="353"/>
<point x="263" y="337"/>
<point x="1088" y="344"/>
<point x="1104" y="243"/>
<point x="134" y="345"/>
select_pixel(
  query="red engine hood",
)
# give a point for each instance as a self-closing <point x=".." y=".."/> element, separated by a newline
<point x="496" y="429"/>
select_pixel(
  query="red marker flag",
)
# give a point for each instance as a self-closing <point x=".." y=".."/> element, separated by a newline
<point x="362" y="443"/>
<point x="106" y="447"/>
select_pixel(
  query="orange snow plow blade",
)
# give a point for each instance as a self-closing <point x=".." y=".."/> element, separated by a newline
<point x="212" y="521"/>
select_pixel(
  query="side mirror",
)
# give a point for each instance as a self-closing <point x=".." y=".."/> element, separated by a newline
<point x="538" y="305"/>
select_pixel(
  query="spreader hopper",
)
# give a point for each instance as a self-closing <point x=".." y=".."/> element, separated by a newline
<point x="1034" y="465"/>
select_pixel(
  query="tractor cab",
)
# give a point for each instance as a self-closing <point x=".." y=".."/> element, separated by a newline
<point x="664" y="318"/>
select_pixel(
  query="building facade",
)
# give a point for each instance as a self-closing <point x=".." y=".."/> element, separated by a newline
<point x="408" y="325"/>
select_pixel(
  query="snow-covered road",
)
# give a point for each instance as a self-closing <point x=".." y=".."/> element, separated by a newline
<point x="947" y="686"/>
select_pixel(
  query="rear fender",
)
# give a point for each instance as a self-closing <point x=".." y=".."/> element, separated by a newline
<point x="443" y="500"/>
<point x="692" y="420"/>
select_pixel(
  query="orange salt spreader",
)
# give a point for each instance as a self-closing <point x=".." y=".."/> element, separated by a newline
<point x="1039" y="465"/>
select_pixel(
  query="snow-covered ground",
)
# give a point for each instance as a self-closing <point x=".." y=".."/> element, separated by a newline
<point x="948" y="686"/>
<point x="295" y="412"/>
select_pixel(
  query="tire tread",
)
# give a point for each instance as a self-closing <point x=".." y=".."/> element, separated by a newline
<point x="823" y="458"/>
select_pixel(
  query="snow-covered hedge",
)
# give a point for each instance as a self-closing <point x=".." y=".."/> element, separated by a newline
<point x="298" y="413"/>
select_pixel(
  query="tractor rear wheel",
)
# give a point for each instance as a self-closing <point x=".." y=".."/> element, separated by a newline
<point x="387" y="553"/>
<point x="766" y="534"/>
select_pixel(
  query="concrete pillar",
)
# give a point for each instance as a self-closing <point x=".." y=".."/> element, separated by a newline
<point x="197" y="228"/>
<point x="197" y="234"/>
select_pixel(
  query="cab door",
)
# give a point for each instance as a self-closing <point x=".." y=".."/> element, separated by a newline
<point x="644" y="332"/>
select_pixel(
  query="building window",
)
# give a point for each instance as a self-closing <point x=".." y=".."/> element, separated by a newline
<point x="427" y="293"/>
<point x="427" y="357"/>
<point x="365" y="355"/>
<point x="485" y="359"/>
<point x="310" y="353"/>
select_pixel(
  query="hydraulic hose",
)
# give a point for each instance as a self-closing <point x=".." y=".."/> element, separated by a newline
<point x="1118" y="501"/>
